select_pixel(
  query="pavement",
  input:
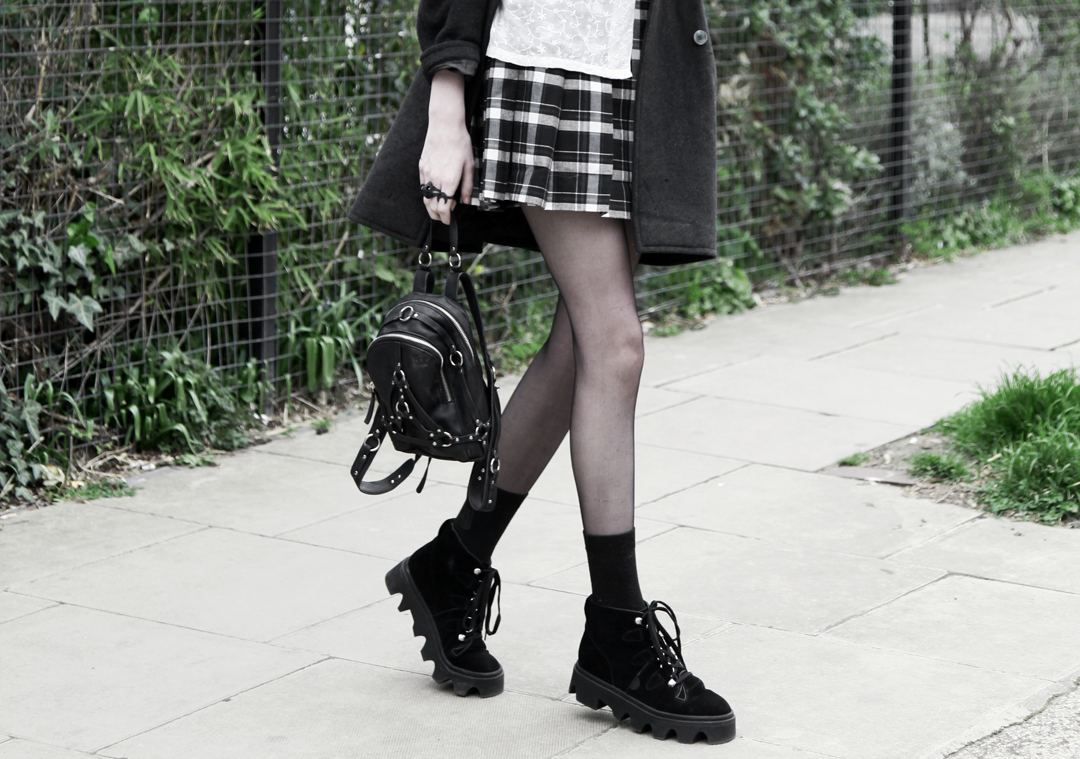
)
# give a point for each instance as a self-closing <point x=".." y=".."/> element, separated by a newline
<point x="239" y="612"/>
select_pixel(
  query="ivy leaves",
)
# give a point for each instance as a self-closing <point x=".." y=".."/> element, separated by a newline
<point x="70" y="279"/>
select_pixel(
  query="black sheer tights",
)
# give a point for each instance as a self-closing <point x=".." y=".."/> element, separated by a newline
<point x="586" y="376"/>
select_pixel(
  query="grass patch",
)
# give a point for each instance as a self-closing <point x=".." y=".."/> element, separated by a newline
<point x="937" y="467"/>
<point x="91" y="491"/>
<point x="855" y="459"/>
<point x="1025" y="434"/>
<point x="873" y="277"/>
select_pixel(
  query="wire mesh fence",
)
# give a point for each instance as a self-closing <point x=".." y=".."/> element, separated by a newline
<point x="175" y="177"/>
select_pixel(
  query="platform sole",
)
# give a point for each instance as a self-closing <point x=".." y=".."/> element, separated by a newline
<point x="596" y="694"/>
<point x="486" y="684"/>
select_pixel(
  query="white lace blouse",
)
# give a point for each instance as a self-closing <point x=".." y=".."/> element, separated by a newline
<point x="589" y="36"/>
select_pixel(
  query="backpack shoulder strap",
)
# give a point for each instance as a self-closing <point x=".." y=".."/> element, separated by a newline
<point x="482" y="482"/>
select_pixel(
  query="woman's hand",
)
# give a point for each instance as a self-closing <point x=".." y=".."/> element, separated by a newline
<point x="447" y="159"/>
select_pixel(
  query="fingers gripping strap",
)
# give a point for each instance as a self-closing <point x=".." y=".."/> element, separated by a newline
<point x="366" y="455"/>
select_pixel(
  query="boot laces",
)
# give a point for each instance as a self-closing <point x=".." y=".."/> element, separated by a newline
<point x="668" y="649"/>
<point x="477" y="620"/>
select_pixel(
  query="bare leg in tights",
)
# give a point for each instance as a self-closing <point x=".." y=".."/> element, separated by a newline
<point x="585" y="379"/>
<point x="537" y="417"/>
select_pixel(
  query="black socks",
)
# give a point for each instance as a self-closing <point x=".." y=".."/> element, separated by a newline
<point x="613" y="570"/>
<point x="480" y="531"/>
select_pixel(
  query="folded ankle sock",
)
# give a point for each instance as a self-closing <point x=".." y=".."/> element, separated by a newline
<point x="613" y="570"/>
<point x="480" y="531"/>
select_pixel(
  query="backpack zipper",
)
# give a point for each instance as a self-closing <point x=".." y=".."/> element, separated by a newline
<point x="424" y="344"/>
<point x="464" y="337"/>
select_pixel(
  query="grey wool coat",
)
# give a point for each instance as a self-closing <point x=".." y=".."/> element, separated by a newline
<point x="674" y="163"/>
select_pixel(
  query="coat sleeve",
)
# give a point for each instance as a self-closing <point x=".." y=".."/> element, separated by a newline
<point x="450" y="33"/>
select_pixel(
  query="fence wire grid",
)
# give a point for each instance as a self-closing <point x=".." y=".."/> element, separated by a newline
<point x="175" y="175"/>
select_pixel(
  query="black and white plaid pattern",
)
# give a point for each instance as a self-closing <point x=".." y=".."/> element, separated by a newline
<point x="556" y="139"/>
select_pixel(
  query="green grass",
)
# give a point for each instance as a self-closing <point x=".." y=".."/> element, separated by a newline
<point x="93" y="490"/>
<point x="873" y="277"/>
<point x="1027" y="432"/>
<point x="321" y="426"/>
<point x="937" y="467"/>
<point x="855" y="459"/>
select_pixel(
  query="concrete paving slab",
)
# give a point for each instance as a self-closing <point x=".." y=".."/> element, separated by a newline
<point x="41" y="542"/>
<point x="19" y="749"/>
<point x="1000" y="549"/>
<point x="756" y="432"/>
<point x="337" y="709"/>
<point x="226" y="582"/>
<point x="779" y="330"/>
<point x="84" y="679"/>
<point x="747" y="580"/>
<point x="544" y="537"/>
<point x="1053" y="733"/>
<point x="955" y="360"/>
<point x="13" y="606"/>
<point x="658" y="472"/>
<point x="843" y="700"/>
<point x="622" y="742"/>
<point x="994" y="326"/>
<point x="830" y="389"/>
<point x="653" y="399"/>
<point x="679" y="356"/>
<point x="238" y="494"/>
<point x="994" y="625"/>
<point x="391" y="529"/>
<point x="813" y="510"/>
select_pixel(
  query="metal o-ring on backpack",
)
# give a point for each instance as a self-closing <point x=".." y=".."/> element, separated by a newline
<point x="434" y="395"/>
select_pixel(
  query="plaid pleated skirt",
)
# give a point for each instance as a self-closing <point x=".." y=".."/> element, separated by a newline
<point x="560" y="140"/>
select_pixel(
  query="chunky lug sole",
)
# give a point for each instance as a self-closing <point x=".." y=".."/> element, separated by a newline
<point x="596" y="694"/>
<point x="486" y="684"/>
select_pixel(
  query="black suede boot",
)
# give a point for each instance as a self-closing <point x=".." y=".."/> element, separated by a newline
<point x="629" y="662"/>
<point x="450" y="594"/>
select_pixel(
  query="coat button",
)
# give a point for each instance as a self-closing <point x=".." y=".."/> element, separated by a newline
<point x="701" y="36"/>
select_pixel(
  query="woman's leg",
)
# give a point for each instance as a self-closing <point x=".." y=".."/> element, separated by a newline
<point x="589" y="258"/>
<point x="534" y="424"/>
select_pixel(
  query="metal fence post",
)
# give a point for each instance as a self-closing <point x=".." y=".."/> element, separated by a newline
<point x="262" y="259"/>
<point x="899" y="162"/>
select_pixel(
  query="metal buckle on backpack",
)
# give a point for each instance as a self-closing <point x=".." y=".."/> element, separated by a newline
<point x="397" y="407"/>
<point x="402" y="379"/>
<point x="449" y="438"/>
<point x="460" y="359"/>
<point x="371" y="447"/>
<point x="407" y="313"/>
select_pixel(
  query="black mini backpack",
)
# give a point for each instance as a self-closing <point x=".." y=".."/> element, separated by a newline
<point x="434" y="394"/>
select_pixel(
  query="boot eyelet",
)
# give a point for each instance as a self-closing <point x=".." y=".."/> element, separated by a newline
<point x="637" y="620"/>
<point x="671" y="683"/>
<point x="461" y="637"/>
<point x="476" y="571"/>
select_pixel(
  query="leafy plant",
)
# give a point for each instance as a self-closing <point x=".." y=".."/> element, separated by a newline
<point x="938" y="467"/>
<point x="174" y="402"/>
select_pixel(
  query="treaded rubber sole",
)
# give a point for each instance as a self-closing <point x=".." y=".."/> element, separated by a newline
<point x="486" y="684"/>
<point x="596" y="694"/>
